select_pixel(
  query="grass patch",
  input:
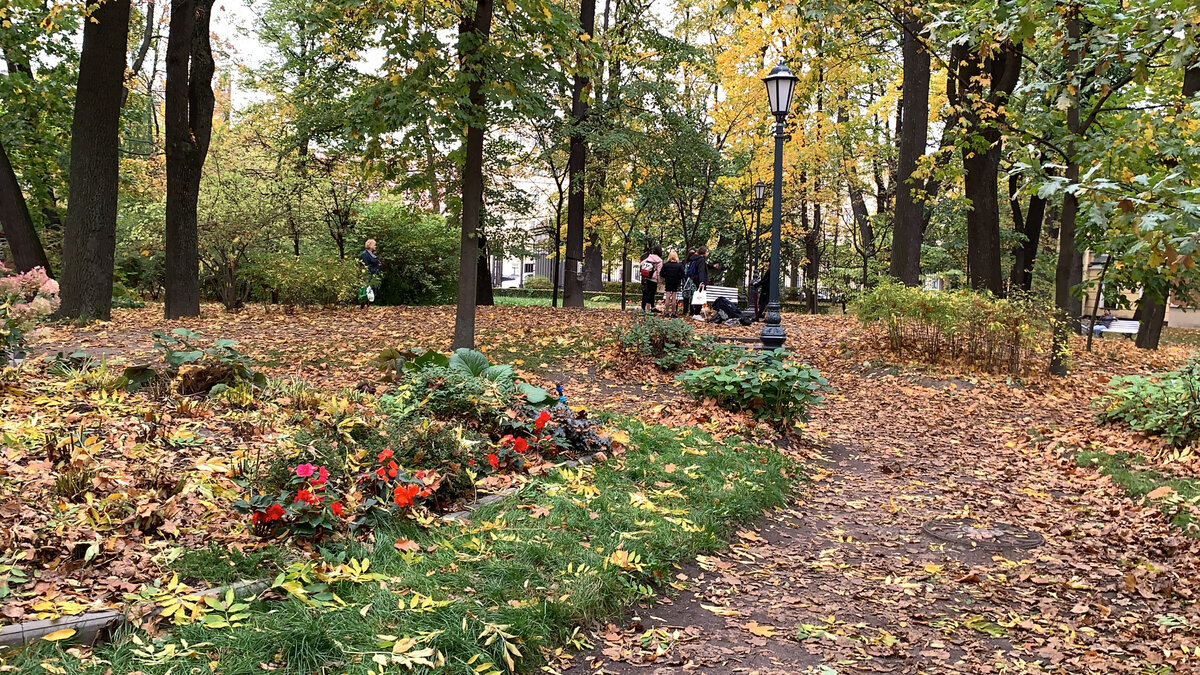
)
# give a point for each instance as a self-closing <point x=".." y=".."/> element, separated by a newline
<point x="1184" y="337"/>
<point x="216" y="565"/>
<point x="572" y="548"/>
<point x="1129" y="470"/>
<point x="612" y="303"/>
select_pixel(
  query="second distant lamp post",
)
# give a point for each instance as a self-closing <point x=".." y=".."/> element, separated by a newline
<point x="781" y="84"/>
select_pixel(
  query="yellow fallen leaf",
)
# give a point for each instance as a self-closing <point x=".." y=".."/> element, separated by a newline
<point x="721" y="611"/>
<point x="761" y="631"/>
<point x="933" y="569"/>
<point x="59" y="635"/>
<point x="1161" y="492"/>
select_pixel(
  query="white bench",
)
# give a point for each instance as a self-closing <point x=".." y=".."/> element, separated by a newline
<point x="1119" y="326"/>
<point x="715" y="292"/>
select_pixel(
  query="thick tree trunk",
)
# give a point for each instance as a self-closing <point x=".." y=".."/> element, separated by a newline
<point x="22" y="238"/>
<point x="473" y="36"/>
<point x="914" y="130"/>
<point x="982" y="171"/>
<point x="189" y="111"/>
<point x="812" y="256"/>
<point x="91" y="228"/>
<point x="576" y="165"/>
<point x="1154" y="313"/>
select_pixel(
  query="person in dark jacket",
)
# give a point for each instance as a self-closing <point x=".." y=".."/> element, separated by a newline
<point x="371" y="262"/>
<point x="672" y="276"/>
<point x="698" y="274"/>
<point x="763" y="284"/>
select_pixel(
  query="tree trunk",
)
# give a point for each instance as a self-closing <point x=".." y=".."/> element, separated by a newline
<point x="982" y="171"/>
<point x="473" y="37"/>
<point x="1030" y="227"/>
<point x="906" y="234"/>
<point x="189" y="111"/>
<point x="593" y="264"/>
<point x="1154" y="313"/>
<point x="577" y="162"/>
<point x="90" y="233"/>
<point x="1069" y="268"/>
<point x="483" y="279"/>
<point x="812" y="256"/>
<point x="18" y="227"/>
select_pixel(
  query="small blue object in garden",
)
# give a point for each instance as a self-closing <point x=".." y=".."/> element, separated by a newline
<point x="558" y="388"/>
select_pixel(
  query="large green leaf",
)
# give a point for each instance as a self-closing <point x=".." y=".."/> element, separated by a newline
<point x="535" y="395"/>
<point x="469" y="361"/>
<point x="501" y="372"/>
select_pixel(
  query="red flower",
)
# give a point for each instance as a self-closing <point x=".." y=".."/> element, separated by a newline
<point x="425" y="493"/>
<point x="385" y="455"/>
<point x="420" y="475"/>
<point x="403" y="495"/>
<point x="520" y="445"/>
<point x="336" y="507"/>
<point x="305" y="470"/>
<point x="307" y="497"/>
<point x="322" y="476"/>
<point x="541" y="420"/>
<point x="275" y="512"/>
<point x="381" y="472"/>
<point x="392" y="469"/>
<point x="471" y="462"/>
<point x="494" y="460"/>
<point x="256" y="517"/>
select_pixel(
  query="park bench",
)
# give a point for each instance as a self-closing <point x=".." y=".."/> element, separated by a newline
<point x="730" y="292"/>
<point x="1119" y="326"/>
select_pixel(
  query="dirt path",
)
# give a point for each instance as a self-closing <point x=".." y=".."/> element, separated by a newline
<point x="845" y="581"/>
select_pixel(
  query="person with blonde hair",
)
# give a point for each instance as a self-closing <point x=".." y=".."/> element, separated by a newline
<point x="370" y="261"/>
<point x="672" y="276"/>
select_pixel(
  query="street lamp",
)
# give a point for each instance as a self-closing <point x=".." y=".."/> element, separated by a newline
<point x="781" y="84"/>
<point x="760" y="190"/>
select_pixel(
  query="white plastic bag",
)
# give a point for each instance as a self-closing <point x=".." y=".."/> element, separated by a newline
<point x="700" y="297"/>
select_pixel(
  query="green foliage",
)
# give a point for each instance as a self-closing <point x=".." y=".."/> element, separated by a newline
<point x="1130" y="471"/>
<point x="671" y="343"/>
<point x="310" y="280"/>
<point x="1165" y="405"/>
<point x="995" y="334"/>
<point x="211" y="370"/>
<point x="538" y="283"/>
<point x="768" y="384"/>
<point x="418" y="254"/>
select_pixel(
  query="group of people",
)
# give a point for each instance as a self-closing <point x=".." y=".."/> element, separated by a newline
<point x="682" y="281"/>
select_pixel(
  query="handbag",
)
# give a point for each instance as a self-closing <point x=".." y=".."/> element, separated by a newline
<point x="700" y="297"/>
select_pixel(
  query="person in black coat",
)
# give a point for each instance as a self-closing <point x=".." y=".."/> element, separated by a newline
<point x="672" y="276"/>
<point x="371" y="262"/>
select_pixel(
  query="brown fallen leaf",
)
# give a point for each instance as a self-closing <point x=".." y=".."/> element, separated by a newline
<point x="406" y="545"/>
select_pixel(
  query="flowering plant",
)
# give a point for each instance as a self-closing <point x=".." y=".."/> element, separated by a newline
<point x="25" y="299"/>
<point x="305" y="507"/>
<point x="388" y="484"/>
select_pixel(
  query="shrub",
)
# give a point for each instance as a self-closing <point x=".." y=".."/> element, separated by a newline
<point x="418" y="253"/>
<point x="538" y="283"/>
<point x="25" y="299"/>
<point x="1165" y="405"/>
<point x="671" y="343"/>
<point x="766" y="384"/>
<point x="310" y="280"/>
<point x="994" y="334"/>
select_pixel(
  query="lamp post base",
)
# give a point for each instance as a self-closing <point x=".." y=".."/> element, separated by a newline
<point x="772" y="334"/>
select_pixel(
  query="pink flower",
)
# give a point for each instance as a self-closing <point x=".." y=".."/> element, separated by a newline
<point x="305" y="470"/>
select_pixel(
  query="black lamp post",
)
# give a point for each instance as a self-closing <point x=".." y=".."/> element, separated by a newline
<point x="781" y="84"/>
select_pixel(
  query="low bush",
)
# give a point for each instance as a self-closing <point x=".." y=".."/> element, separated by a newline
<point x="538" y="283"/>
<point x="310" y="280"/>
<point x="671" y="343"/>
<point x="193" y="369"/>
<point x="767" y="384"/>
<point x="25" y="299"/>
<point x="1165" y="405"/>
<point x="994" y="334"/>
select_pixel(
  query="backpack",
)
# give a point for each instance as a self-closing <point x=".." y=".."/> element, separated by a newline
<point x="647" y="269"/>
